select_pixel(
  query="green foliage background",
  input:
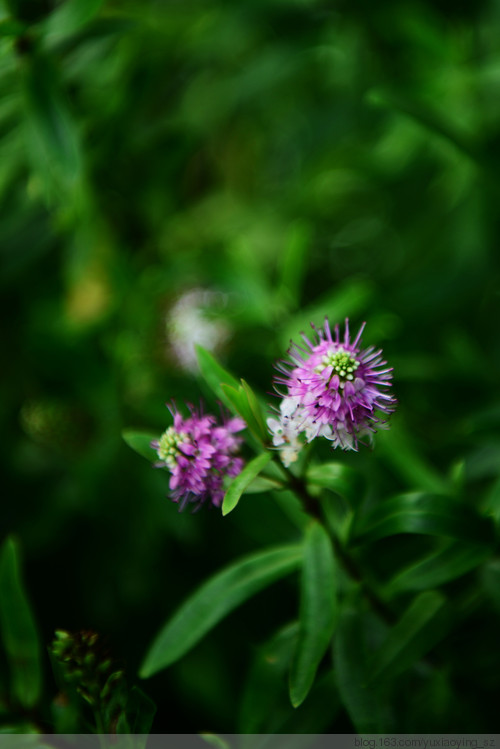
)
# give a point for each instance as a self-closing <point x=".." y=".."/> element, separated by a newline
<point x="303" y="158"/>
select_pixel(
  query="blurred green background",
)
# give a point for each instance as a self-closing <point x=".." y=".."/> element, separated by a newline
<point x="233" y="171"/>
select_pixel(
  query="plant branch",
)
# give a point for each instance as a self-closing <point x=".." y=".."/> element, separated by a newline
<point x="313" y="508"/>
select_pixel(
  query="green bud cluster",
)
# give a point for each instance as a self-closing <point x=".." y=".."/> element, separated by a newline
<point x="343" y="363"/>
<point x="168" y="446"/>
<point x="85" y="667"/>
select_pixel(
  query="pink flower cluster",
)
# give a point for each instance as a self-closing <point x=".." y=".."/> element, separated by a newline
<point x="199" y="453"/>
<point x="334" y="389"/>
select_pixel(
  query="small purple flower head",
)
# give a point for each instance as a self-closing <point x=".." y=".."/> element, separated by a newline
<point x="199" y="453"/>
<point x="337" y="390"/>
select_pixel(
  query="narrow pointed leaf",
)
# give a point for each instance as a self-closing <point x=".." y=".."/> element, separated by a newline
<point x="70" y="17"/>
<point x="238" y="403"/>
<point x="19" y="631"/>
<point x="346" y="300"/>
<point x="264" y="686"/>
<point x="314" y="716"/>
<point x="215" y="600"/>
<point x="243" y="481"/>
<point x="266" y="709"/>
<point x="214" y="740"/>
<point x="55" y="140"/>
<point x="263" y="484"/>
<point x="317" y="611"/>
<point x="256" y="411"/>
<point x="140" y="713"/>
<point x="292" y="508"/>
<point x="141" y="443"/>
<point x="215" y="375"/>
<point x="396" y="448"/>
<point x="296" y="728"/>
<point x="423" y="513"/>
<point x="433" y="121"/>
<point x="363" y="703"/>
<point x="422" y="625"/>
<point x="449" y="563"/>
<point x="292" y="262"/>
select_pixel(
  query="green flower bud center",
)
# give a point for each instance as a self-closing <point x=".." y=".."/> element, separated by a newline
<point x="168" y="446"/>
<point x="342" y="362"/>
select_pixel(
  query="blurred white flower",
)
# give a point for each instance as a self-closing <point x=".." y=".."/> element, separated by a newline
<point x="192" y="321"/>
<point x="287" y="428"/>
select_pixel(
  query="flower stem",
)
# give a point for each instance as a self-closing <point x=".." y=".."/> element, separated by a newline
<point x="352" y="569"/>
<point x="313" y="508"/>
<point x="298" y="487"/>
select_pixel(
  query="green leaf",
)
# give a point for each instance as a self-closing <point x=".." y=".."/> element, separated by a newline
<point x="10" y="27"/>
<point x="430" y="120"/>
<point x="341" y="479"/>
<point x="31" y="733"/>
<point x="215" y="375"/>
<point x="263" y="484"/>
<point x="244" y="403"/>
<point x="70" y="17"/>
<point x="490" y="581"/>
<point x="242" y="481"/>
<point x="288" y="728"/>
<point x="448" y="563"/>
<point x="423" y="513"/>
<point x="317" y="611"/>
<point x="314" y="716"/>
<point x="214" y="740"/>
<point x="346" y="300"/>
<point x="458" y="477"/>
<point x="237" y="402"/>
<point x="363" y="703"/>
<point x="265" y="707"/>
<point x="214" y="600"/>
<point x="423" y="624"/>
<point x="109" y="25"/>
<point x="264" y="686"/>
<point x="51" y="131"/>
<point x="256" y="411"/>
<point x="140" y="713"/>
<point x="292" y="263"/>
<point x="292" y="507"/>
<point x="396" y="447"/>
<point x="19" y="631"/>
<point x="141" y="443"/>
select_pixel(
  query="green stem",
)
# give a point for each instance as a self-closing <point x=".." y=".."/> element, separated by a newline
<point x="355" y="573"/>
<point x="298" y="487"/>
<point x="100" y="730"/>
<point x="312" y="507"/>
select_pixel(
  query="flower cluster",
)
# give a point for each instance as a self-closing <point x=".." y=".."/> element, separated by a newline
<point x="199" y="453"/>
<point x="84" y="665"/>
<point x="334" y="390"/>
<point x="286" y="430"/>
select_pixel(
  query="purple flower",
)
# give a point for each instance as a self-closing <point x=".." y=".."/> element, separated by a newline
<point x="334" y="389"/>
<point x="199" y="453"/>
